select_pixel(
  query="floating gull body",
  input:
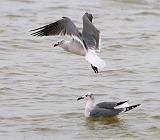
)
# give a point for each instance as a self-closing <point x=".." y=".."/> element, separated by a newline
<point x="84" y="44"/>
<point x="104" y="109"/>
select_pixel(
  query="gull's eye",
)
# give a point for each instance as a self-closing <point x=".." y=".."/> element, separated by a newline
<point x="86" y="95"/>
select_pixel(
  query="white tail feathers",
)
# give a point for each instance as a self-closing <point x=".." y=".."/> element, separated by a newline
<point x="92" y="58"/>
<point x="122" y="106"/>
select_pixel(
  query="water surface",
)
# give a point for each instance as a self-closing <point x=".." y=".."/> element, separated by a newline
<point x="39" y="84"/>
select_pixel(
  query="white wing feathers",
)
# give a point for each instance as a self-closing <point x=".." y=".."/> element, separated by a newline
<point x="122" y="105"/>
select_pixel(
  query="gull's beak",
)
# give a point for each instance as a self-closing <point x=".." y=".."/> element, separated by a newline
<point x="80" y="98"/>
<point x="55" y="45"/>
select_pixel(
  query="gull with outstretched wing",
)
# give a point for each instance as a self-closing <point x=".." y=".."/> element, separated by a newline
<point x="83" y="44"/>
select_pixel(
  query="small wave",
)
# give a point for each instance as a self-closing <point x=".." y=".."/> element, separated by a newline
<point x="146" y="13"/>
<point x="141" y="2"/>
<point x="156" y="117"/>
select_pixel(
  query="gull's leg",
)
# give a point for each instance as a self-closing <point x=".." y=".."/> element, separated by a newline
<point x="94" y="68"/>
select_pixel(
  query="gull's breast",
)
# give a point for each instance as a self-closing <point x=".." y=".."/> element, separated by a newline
<point x="76" y="48"/>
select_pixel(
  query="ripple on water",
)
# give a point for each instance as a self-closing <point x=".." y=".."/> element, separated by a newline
<point x="46" y="130"/>
<point x="103" y="120"/>
<point x="156" y="117"/>
<point x="39" y="85"/>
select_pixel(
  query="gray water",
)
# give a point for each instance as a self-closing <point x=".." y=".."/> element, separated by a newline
<point x="39" y="84"/>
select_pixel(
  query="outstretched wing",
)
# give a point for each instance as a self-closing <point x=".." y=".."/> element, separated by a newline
<point x="64" y="26"/>
<point x="90" y="34"/>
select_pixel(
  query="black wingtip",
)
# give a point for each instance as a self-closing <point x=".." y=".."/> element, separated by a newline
<point x="119" y="103"/>
<point x="37" y="33"/>
<point x="131" y="107"/>
<point x="89" y="16"/>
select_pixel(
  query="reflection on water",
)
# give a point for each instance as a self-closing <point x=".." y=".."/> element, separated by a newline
<point x="39" y="84"/>
<point x="103" y="120"/>
<point x="91" y="122"/>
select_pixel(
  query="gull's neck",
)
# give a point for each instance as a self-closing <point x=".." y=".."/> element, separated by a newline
<point x="89" y="107"/>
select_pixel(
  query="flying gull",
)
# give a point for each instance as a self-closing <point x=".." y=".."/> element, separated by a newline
<point x="83" y="44"/>
<point x="104" y="109"/>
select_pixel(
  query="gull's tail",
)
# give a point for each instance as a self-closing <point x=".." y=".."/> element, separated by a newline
<point x="93" y="59"/>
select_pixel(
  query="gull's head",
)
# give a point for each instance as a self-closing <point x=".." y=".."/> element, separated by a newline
<point x="87" y="96"/>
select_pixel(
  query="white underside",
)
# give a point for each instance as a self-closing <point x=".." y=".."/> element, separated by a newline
<point x="76" y="46"/>
<point x="93" y="59"/>
<point x="122" y="105"/>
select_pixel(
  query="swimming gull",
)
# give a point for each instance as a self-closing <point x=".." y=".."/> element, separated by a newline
<point x="83" y="44"/>
<point x="104" y="109"/>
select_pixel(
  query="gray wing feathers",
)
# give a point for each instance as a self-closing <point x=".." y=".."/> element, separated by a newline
<point x="106" y="105"/>
<point x="109" y="105"/>
<point x="61" y="27"/>
<point x="90" y="33"/>
<point x="107" y="109"/>
<point x="96" y="112"/>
